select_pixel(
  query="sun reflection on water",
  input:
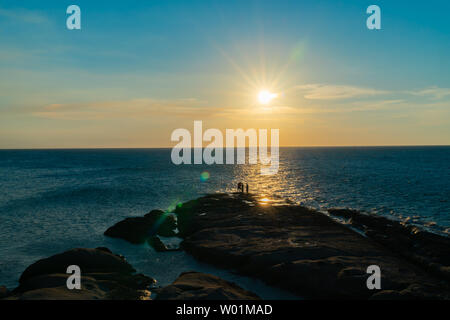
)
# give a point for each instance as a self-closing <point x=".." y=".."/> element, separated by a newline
<point x="265" y="187"/>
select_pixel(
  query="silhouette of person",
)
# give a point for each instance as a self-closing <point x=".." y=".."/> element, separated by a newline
<point x="240" y="187"/>
<point x="246" y="187"/>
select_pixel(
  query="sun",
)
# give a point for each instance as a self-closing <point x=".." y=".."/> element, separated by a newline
<point x="265" y="97"/>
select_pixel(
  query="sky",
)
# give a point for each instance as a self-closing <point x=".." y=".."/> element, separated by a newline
<point x="137" y="70"/>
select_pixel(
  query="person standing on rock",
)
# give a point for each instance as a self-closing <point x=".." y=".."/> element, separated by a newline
<point x="240" y="187"/>
<point x="246" y="187"/>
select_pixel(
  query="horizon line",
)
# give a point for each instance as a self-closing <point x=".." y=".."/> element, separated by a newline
<point x="143" y="148"/>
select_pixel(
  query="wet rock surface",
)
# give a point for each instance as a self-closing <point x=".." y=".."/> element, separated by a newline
<point x="201" y="286"/>
<point x="301" y="250"/>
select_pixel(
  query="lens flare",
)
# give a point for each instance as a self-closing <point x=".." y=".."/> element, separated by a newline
<point x="204" y="176"/>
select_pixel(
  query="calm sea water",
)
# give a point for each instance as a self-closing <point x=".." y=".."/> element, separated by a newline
<point x="54" y="200"/>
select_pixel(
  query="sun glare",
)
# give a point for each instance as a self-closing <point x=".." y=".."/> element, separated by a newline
<point x="265" y="97"/>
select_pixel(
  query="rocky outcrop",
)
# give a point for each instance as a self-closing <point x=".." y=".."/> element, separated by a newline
<point x="107" y="276"/>
<point x="157" y="244"/>
<point x="104" y="275"/>
<point x="430" y="251"/>
<point x="141" y="229"/>
<point x="412" y="292"/>
<point x="298" y="249"/>
<point x="303" y="250"/>
<point x="201" y="286"/>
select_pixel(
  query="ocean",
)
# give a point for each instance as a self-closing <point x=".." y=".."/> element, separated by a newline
<point x="54" y="200"/>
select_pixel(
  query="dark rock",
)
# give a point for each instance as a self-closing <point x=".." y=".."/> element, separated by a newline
<point x="164" y="222"/>
<point x="140" y="229"/>
<point x="104" y="275"/>
<point x="89" y="261"/>
<point x="3" y="292"/>
<point x="104" y="249"/>
<point x="200" y="286"/>
<point x="412" y="292"/>
<point x="299" y="249"/>
<point x="160" y="246"/>
<point x="427" y="249"/>
<point x="157" y="244"/>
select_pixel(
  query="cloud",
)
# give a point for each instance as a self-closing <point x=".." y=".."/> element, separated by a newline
<point x="336" y="92"/>
<point x="23" y="15"/>
<point x="131" y="109"/>
<point x="432" y="92"/>
<point x="196" y="109"/>
<point x="151" y="108"/>
<point x="377" y="105"/>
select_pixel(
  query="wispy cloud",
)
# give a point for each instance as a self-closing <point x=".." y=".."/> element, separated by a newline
<point x="134" y="108"/>
<point x="23" y="15"/>
<point x="432" y="92"/>
<point x="336" y="92"/>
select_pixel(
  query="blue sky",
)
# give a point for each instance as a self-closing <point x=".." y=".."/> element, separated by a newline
<point x="148" y="67"/>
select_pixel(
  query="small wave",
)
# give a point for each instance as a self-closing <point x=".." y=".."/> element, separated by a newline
<point x="79" y="195"/>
